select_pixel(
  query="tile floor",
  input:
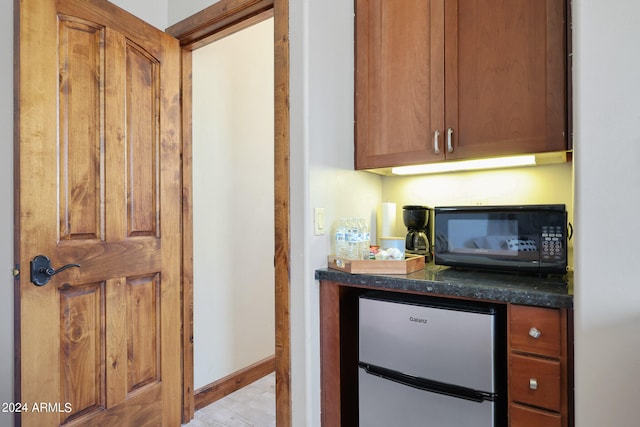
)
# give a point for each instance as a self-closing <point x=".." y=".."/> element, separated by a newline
<point x="251" y="406"/>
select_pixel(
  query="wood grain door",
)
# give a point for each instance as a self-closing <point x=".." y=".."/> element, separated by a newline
<point x="97" y="184"/>
<point x="399" y="82"/>
<point x="505" y="77"/>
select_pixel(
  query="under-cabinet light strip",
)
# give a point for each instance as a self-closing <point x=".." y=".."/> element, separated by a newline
<point x="464" y="165"/>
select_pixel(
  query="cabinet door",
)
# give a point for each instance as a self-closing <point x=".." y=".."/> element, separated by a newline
<point x="505" y="80"/>
<point x="536" y="330"/>
<point x="522" y="416"/>
<point x="399" y="81"/>
<point x="536" y="382"/>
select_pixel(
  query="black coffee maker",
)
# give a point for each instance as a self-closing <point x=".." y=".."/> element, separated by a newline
<point x="416" y="219"/>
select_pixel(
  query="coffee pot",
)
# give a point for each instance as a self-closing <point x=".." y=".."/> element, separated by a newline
<point x="416" y="219"/>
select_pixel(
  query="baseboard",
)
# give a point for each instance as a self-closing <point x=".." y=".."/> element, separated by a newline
<point x="209" y="393"/>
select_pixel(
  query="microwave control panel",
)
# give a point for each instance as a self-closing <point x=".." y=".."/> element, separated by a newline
<point x="552" y="242"/>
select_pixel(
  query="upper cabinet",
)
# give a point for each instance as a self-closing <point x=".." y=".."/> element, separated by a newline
<point x="455" y="79"/>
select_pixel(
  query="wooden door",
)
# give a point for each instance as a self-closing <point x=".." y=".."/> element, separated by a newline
<point x="505" y="77"/>
<point x="399" y="82"/>
<point x="97" y="184"/>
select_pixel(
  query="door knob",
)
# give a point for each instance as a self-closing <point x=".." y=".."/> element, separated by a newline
<point x="41" y="270"/>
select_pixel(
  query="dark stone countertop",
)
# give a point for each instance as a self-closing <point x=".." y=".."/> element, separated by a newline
<point x="436" y="280"/>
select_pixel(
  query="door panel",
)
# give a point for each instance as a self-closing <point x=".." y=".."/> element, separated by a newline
<point x="142" y="332"/>
<point x="399" y="81"/>
<point x="81" y="70"/>
<point x="82" y="346"/>
<point x="98" y="163"/>
<point x="143" y="92"/>
<point x="505" y="77"/>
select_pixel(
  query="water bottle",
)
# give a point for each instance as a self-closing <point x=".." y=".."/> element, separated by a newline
<point x="366" y="239"/>
<point x="353" y="241"/>
<point x="341" y="239"/>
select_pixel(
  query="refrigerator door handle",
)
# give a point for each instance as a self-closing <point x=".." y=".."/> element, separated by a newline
<point x="428" y="385"/>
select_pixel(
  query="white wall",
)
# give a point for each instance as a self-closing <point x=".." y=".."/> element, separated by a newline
<point x="607" y="131"/>
<point x="321" y="98"/>
<point x="6" y="210"/>
<point x="153" y="12"/>
<point x="525" y="185"/>
<point x="181" y="9"/>
<point x="233" y="203"/>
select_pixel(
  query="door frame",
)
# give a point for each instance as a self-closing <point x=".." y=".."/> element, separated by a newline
<point x="219" y="20"/>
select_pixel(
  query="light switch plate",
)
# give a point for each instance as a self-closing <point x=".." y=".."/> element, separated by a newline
<point x="318" y="221"/>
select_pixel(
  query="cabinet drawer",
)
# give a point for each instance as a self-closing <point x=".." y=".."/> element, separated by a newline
<point x="521" y="416"/>
<point x="535" y="381"/>
<point x="535" y="330"/>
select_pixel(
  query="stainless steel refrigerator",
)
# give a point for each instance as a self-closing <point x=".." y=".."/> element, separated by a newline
<point x="427" y="364"/>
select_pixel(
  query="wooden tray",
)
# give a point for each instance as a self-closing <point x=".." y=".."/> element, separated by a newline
<point x="410" y="264"/>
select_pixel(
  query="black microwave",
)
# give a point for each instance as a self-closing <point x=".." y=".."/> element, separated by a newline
<point x="524" y="238"/>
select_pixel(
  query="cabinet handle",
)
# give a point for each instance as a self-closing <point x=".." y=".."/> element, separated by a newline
<point x="533" y="383"/>
<point x="449" y="140"/>
<point x="436" y="142"/>
<point x="534" y="333"/>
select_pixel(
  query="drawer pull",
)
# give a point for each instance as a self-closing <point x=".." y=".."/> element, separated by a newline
<point x="533" y="383"/>
<point x="534" y="333"/>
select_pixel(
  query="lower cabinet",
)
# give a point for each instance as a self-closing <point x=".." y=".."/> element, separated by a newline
<point x="539" y="357"/>
<point x="538" y="371"/>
